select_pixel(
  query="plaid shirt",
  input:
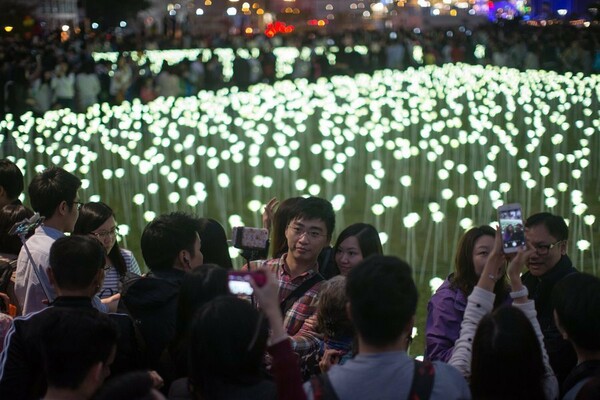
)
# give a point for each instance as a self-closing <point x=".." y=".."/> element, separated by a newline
<point x="300" y="320"/>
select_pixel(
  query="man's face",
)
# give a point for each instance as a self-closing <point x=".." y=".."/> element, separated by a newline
<point x="72" y="215"/>
<point x="198" y="258"/>
<point x="538" y="237"/>
<point x="306" y="238"/>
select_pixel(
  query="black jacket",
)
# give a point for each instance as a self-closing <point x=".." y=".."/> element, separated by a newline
<point x="560" y="351"/>
<point x="21" y="372"/>
<point x="152" y="303"/>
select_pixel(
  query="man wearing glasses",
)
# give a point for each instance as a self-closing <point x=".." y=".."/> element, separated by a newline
<point x="53" y="194"/>
<point x="548" y="234"/>
<point x="308" y="231"/>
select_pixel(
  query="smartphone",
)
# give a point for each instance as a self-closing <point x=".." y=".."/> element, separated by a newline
<point x="239" y="281"/>
<point x="510" y="217"/>
<point x="247" y="238"/>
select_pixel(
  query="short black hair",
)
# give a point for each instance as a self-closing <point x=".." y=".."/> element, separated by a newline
<point x="383" y="298"/>
<point x="315" y="208"/>
<point x="51" y="187"/>
<point x="10" y="214"/>
<point x="556" y="225"/>
<point x="135" y="385"/>
<point x="576" y="300"/>
<point x="74" y="341"/>
<point x="75" y="261"/>
<point x="165" y="237"/>
<point x="11" y="178"/>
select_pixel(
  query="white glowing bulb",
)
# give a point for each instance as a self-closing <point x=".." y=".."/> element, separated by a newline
<point x="583" y="245"/>
<point x="174" y="197"/>
<point x="466" y="223"/>
<point x="378" y="209"/>
<point x="551" y="202"/>
<point x="437" y="217"/>
<point x="139" y="199"/>
<point x="405" y="180"/>
<point x="149" y="216"/>
<point x="435" y="283"/>
<point x="447" y="194"/>
<point x="254" y="205"/>
<point x="434" y="207"/>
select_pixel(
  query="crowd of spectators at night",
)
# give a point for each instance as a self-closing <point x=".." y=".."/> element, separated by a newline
<point x="312" y="321"/>
<point x="44" y="73"/>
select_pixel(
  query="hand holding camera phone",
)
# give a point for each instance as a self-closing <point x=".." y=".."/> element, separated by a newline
<point x="239" y="281"/>
<point x="510" y="217"/>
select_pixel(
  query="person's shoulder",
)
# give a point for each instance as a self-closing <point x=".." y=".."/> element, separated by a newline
<point x="126" y="253"/>
<point x="449" y="383"/>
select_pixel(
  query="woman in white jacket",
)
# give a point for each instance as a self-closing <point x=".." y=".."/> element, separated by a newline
<point x="502" y="353"/>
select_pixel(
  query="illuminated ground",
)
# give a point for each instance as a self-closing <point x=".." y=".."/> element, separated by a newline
<point x="422" y="154"/>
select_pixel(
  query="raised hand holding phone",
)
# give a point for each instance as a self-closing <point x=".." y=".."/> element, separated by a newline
<point x="268" y="299"/>
<point x="510" y="218"/>
<point x="519" y="292"/>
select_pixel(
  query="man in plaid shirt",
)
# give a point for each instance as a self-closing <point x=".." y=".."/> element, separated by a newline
<point x="308" y="231"/>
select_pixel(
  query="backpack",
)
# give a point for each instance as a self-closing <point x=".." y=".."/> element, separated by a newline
<point x="422" y="383"/>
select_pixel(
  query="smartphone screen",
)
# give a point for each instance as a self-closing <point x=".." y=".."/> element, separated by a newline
<point x="511" y="224"/>
<point x="239" y="285"/>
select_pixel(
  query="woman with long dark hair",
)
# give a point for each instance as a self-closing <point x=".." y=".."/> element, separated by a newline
<point x="98" y="220"/>
<point x="214" y="243"/>
<point x="446" y="307"/>
<point x="355" y="243"/>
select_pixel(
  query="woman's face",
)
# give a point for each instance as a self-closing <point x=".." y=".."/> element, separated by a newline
<point x="107" y="234"/>
<point x="481" y="251"/>
<point x="348" y="255"/>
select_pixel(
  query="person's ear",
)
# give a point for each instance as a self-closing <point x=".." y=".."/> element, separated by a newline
<point x="63" y="208"/>
<point x="561" y="330"/>
<point x="563" y="247"/>
<point x="409" y="326"/>
<point x="95" y="375"/>
<point x="184" y="258"/>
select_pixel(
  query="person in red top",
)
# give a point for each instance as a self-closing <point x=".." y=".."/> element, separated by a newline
<point x="308" y="231"/>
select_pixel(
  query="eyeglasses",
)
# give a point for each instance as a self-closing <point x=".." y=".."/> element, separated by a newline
<point x="104" y="234"/>
<point x="543" y="249"/>
<point x="78" y="203"/>
<point x="297" y="231"/>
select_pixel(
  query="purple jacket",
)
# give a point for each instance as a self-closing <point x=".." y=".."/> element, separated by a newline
<point x="445" y="312"/>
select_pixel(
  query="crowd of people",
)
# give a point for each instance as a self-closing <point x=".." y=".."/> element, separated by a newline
<point x="44" y="73"/>
<point x="81" y="321"/>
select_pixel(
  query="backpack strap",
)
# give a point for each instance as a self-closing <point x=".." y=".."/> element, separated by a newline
<point x="422" y="384"/>
<point x="322" y="388"/>
<point x="287" y="303"/>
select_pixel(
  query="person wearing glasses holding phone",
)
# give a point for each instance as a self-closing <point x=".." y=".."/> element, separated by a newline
<point x="549" y="264"/>
<point x="97" y="219"/>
